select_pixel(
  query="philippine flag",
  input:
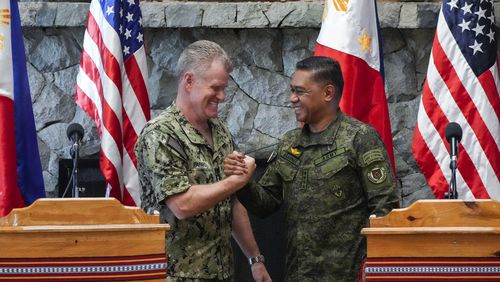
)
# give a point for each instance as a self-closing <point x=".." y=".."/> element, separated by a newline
<point x="21" y="180"/>
<point x="350" y="34"/>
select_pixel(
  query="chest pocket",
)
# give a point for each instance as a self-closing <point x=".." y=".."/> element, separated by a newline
<point x="287" y="170"/>
<point x="329" y="168"/>
<point x="333" y="178"/>
<point x="201" y="173"/>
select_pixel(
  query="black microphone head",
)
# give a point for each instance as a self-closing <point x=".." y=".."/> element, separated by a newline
<point x="75" y="128"/>
<point x="453" y="130"/>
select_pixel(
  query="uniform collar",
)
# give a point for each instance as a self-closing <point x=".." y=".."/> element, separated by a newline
<point x="326" y="137"/>
<point x="193" y="134"/>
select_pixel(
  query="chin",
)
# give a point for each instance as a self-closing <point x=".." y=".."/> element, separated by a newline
<point x="300" y="118"/>
<point x="212" y="115"/>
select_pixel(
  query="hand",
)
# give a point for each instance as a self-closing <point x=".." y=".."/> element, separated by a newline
<point x="234" y="164"/>
<point x="250" y="165"/>
<point x="259" y="273"/>
<point x="243" y="179"/>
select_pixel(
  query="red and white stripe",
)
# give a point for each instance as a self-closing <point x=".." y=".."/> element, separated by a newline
<point x="10" y="195"/>
<point x="114" y="94"/>
<point x="453" y="93"/>
<point x="349" y="34"/>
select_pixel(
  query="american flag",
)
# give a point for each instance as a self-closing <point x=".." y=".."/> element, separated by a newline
<point x="111" y="88"/>
<point x="462" y="86"/>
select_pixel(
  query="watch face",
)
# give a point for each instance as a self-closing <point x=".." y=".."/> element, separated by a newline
<point x="256" y="259"/>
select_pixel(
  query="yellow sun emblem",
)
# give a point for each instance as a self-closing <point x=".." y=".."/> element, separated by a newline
<point x="340" y="5"/>
<point x="4" y="16"/>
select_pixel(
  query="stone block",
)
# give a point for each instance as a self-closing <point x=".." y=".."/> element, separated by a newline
<point x="419" y="15"/>
<point x="274" y="120"/>
<point x="55" y="53"/>
<point x="46" y="15"/>
<point x="153" y="14"/>
<point x="220" y="15"/>
<point x="251" y="15"/>
<point x="388" y="14"/>
<point x="264" y="86"/>
<point x="70" y="14"/>
<point x="28" y="11"/>
<point x="264" y="47"/>
<point x="184" y="14"/>
<point x="303" y="15"/>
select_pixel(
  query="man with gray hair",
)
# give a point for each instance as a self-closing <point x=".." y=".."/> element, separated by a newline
<point x="180" y="156"/>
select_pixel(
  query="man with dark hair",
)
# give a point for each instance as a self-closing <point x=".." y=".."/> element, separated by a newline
<point x="180" y="157"/>
<point x="329" y="176"/>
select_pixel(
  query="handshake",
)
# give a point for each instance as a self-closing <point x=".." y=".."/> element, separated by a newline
<point x="240" y="167"/>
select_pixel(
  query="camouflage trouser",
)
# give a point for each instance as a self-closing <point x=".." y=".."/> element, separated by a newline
<point x="180" y="279"/>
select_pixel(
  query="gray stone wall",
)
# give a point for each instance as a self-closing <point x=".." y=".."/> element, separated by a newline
<point x="265" y="40"/>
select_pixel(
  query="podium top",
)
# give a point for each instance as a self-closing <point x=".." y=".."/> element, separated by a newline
<point x="77" y="211"/>
<point x="442" y="213"/>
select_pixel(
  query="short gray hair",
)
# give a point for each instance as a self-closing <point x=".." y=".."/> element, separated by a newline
<point x="199" y="55"/>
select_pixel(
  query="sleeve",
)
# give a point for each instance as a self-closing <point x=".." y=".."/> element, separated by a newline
<point x="375" y="172"/>
<point x="265" y="197"/>
<point x="166" y="164"/>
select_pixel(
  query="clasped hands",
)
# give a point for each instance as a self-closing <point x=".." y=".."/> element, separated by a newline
<point x="239" y="164"/>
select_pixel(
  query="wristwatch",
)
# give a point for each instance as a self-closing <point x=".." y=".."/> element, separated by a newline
<point x="256" y="259"/>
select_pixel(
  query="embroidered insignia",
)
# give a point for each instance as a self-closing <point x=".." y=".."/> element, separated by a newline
<point x="369" y="157"/>
<point x="337" y="191"/>
<point x="295" y="151"/>
<point x="377" y="175"/>
<point x="200" y="165"/>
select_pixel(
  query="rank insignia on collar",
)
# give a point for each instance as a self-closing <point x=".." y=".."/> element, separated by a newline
<point x="295" y="151"/>
<point x="377" y="175"/>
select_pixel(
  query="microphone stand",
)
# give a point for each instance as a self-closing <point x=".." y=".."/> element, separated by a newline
<point x="452" y="193"/>
<point x="74" y="176"/>
<point x="453" y="134"/>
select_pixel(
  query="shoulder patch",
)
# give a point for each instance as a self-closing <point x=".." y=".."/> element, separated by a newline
<point x="372" y="156"/>
<point x="174" y="144"/>
<point x="377" y="175"/>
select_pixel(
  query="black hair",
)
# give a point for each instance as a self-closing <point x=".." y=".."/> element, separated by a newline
<point x="324" y="70"/>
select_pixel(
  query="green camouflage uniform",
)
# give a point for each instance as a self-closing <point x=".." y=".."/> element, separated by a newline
<point x="172" y="155"/>
<point x="328" y="184"/>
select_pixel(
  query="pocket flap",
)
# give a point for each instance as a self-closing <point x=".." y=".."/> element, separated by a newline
<point x="287" y="170"/>
<point x="331" y="167"/>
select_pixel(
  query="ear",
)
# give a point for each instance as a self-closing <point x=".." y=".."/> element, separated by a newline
<point x="188" y="80"/>
<point x="330" y="93"/>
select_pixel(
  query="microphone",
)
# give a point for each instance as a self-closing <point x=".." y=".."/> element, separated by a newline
<point x="453" y="134"/>
<point x="75" y="132"/>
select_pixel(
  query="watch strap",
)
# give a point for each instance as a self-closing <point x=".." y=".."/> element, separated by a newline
<point x="256" y="259"/>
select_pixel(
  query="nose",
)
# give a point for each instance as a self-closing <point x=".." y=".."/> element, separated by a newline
<point x="294" y="98"/>
<point x="220" y="95"/>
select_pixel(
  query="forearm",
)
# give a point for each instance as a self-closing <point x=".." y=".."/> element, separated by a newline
<point x="382" y="200"/>
<point x="383" y="197"/>
<point x="258" y="200"/>
<point x="242" y="230"/>
<point x="199" y="198"/>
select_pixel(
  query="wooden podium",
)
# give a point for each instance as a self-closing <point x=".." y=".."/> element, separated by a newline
<point x="84" y="239"/>
<point x="435" y="240"/>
